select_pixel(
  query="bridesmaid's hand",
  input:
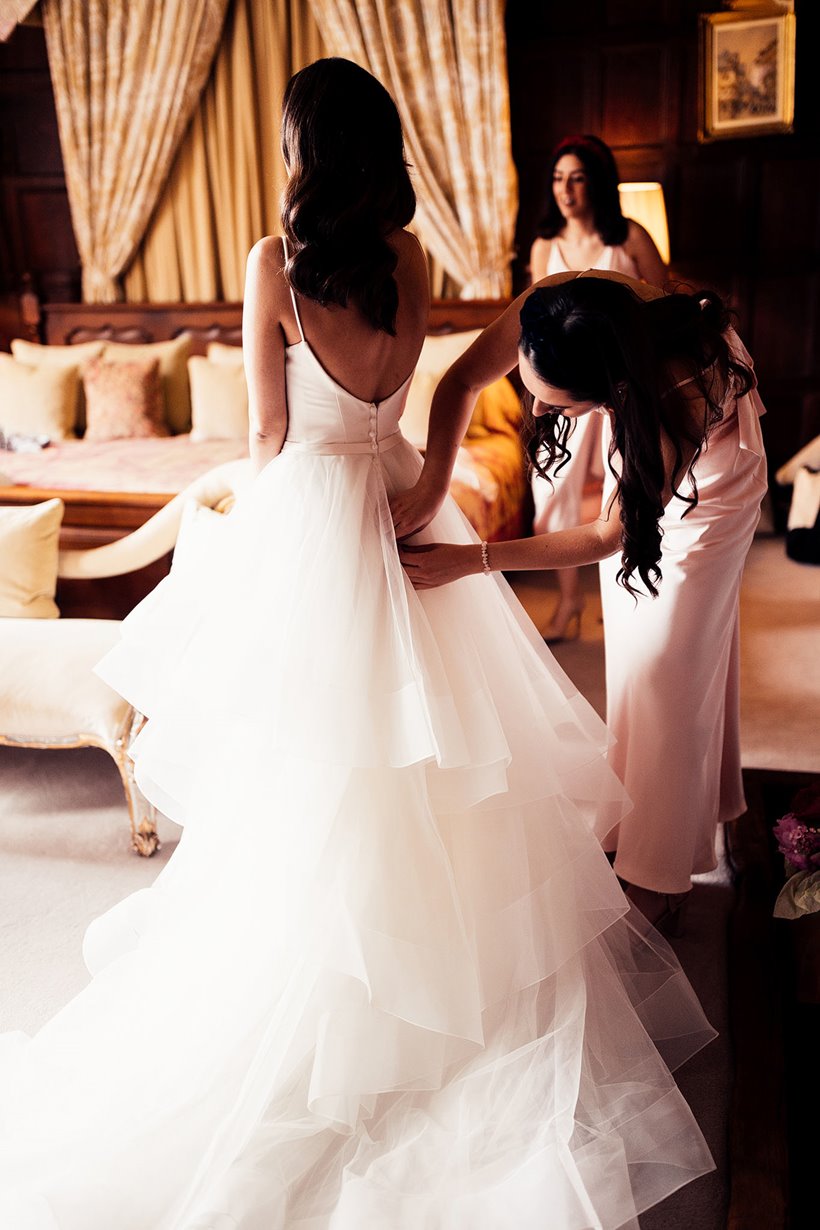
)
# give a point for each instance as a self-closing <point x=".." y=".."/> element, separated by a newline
<point x="413" y="509"/>
<point x="440" y="563"/>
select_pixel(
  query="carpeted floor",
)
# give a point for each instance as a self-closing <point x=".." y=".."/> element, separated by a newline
<point x="64" y="854"/>
<point x="64" y="859"/>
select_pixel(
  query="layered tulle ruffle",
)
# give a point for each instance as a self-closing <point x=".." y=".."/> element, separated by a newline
<point x="388" y="978"/>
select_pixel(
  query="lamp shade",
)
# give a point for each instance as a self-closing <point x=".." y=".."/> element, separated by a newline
<point x="644" y="203"/>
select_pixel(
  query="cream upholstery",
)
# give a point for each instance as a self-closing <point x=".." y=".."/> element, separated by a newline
<point x="29" y="551"/>
<point x="49" y="695"/>
<point x="57" y="698"/>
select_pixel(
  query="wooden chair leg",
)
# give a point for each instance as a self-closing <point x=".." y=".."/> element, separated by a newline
<point x="142" y="815"/>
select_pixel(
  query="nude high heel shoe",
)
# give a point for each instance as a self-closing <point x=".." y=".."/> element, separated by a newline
<point x="565" y="624"/>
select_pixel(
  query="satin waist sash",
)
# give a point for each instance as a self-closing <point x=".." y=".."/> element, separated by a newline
<point x="340" y="448"/>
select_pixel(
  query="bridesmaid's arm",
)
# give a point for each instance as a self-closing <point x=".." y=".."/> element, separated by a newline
<point x="491" y="356"/>
<point x="263" y="343"/>
<point x="440" y="563"/>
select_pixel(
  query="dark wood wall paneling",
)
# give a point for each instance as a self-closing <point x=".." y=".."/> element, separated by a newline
<point x="35" y="221"/>
<point x="744" y="214"/>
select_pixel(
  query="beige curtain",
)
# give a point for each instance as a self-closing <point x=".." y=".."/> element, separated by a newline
<point x="445" y="65"/>
<point x="12" y="13"/>
<point x="127" y="75"/>
<point x="224" y="190"/>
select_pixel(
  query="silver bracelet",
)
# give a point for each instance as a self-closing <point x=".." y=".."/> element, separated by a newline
<point x="485" y="559"/>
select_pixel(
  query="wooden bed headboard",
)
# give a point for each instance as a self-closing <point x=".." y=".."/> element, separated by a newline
<point x="66" y="323"/>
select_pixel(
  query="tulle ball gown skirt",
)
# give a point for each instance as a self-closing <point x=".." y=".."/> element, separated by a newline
<point x="388" y="980"/>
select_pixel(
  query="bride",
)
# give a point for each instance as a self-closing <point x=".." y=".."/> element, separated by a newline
<point x="388" y="980"/>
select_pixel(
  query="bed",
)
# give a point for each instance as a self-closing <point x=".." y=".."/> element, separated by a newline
<point x="110" y="487"/>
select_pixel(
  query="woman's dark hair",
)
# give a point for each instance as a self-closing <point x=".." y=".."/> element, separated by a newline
<point x="348" y="188"/>
<point x="596" y="340"/>
<point x="602" y="177"/>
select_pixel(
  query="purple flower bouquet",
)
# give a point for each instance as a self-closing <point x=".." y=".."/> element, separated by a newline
<point x="798" y="839"/>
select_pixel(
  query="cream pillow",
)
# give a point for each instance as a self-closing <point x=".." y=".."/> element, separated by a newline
<point x="437" y="354"/>
<point x="172" y="358"/>
<point x="37" y="400"/>
<point x="219" y="400"/>
<point x="232" y="356"/>
<point x="36" y="355"/>
<point x="29" y="548"/>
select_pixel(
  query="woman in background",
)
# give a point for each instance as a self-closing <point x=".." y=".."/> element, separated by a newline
<point x="686" y="475"/>
<point x="583" y="228"/>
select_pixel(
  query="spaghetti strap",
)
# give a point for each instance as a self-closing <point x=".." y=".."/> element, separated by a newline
<point x="293" y="295"/>
<point x="679" y="385"/>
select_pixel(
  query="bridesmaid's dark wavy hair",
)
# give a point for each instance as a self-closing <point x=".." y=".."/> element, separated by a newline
<point x="596" y="340"/>
<point x="348" y="188"/>
<point x="598" y="161"/>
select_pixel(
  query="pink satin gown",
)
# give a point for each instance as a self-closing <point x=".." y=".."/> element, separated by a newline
<point x="672" y="665"/>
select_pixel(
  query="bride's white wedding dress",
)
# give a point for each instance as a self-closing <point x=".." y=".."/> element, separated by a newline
<point x="386" y="981"/>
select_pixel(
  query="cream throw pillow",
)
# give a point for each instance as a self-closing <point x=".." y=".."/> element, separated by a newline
<point x="437" y="354"/>
<point x="38" y="400"/>
<point x="29" y="548"/>
<point x="36" y="355"/>
<point x="172" y="358"/>
<point x="219" y="399"/>
<point x="231" y="356"/>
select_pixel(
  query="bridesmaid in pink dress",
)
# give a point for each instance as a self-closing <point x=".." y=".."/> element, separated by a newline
<point x="582" y="228"/>
<point x="677" y="392"/>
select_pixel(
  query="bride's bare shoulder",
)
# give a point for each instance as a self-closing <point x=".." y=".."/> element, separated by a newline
<point x="268" y="252"/>
<point x="266" y="261"/>
<point x="267" y="300"/>
<point x="411" y="268"/>
<point x="265" y="274"/>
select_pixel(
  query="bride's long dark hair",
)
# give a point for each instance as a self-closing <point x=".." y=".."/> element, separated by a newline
<point x="348" y="188"/>
<point x="596" y="340"/>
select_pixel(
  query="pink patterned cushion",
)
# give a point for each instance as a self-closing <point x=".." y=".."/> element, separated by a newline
<point x="123" y="400"/>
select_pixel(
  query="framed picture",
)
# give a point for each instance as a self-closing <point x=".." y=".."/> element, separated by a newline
<point x="747" y="73"/>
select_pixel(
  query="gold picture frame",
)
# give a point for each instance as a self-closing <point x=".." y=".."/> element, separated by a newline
<point x="746" y="73"/>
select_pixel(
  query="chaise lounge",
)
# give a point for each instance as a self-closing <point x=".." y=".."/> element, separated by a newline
<point x="49" y="695"/>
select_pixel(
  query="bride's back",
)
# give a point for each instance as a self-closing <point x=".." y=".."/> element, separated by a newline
<point x="347" y="274"/>
<point x="359" y="277"/>
<point x="369" y="362"/>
